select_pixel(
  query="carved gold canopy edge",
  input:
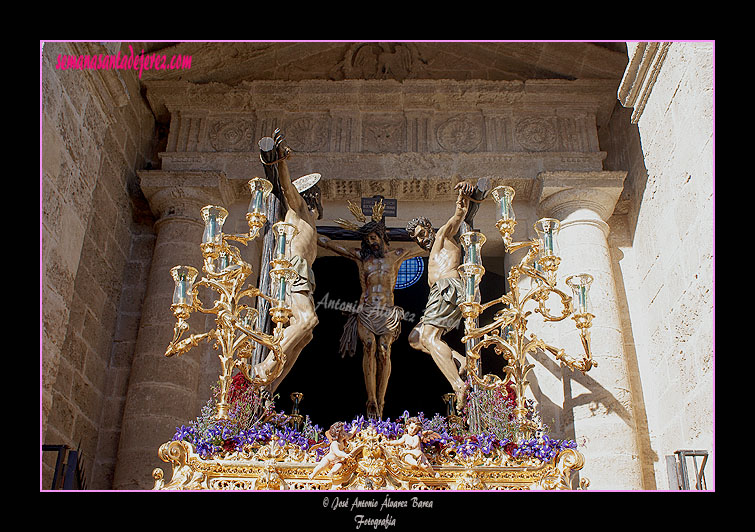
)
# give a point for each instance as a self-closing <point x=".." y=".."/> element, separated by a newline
<point x="275" y="467"/>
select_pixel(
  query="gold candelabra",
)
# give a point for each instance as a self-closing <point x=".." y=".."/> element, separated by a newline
<point x="507" y="333"/>
<point x="225" y="272"/>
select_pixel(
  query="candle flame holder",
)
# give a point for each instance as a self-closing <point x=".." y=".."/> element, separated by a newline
<point x="225" y="273"/>
<point x="507" y="334"/>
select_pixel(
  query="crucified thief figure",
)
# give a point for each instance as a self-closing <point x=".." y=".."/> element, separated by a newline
<point x="303" y="208"/>
<point x="378" y="322"/>
<point x="442" y="312"/>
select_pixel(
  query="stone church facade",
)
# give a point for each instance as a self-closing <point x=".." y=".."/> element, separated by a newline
<point x="613" y="139"/>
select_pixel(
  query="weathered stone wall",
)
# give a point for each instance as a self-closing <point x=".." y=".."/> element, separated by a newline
<point x="664" y="246"/>
<point x="96" y="131"/>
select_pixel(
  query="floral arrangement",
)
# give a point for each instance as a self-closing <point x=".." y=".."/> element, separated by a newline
<point x="252" y="419"/>
<point x="488" y="424"/>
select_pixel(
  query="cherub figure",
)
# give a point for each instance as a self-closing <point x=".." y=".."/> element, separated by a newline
<point x="411" y="442"/>
<point x="338" y="437"/>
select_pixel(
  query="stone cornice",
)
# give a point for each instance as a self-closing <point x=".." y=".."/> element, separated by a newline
<point x="183" y="194"/>
<point x="645" y="61"/>
<point x="379" y="95"/>
<point x="563" y="193"/>
<point x="405" y="176"/>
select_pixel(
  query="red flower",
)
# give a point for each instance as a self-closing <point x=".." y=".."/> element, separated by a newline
<point x="239" y="384"/>
<point x="510" y="394"/>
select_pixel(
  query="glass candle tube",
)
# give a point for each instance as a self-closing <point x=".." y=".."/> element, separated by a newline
<point x="469" y="285"/>
<point x="472" y="242"/>
<point x="214" y="218"/>
<point x="504" y="197"/>
<point x="537" y="265"/>
<point x="281" y="295"/>
<point x="223" y="261"/>
<point x="248" y="317"/>
<point x="184" y="277"/>
<point x="260" y="188"/>
<point x="279" y="288"/>
<point x="547" y="230"/>
<point x="580" y="285"/>
<point x="284" y="234"/>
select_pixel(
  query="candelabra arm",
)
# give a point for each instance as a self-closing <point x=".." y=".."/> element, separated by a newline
<point x="501" y="347"/>
<point x="544" y="311"/>
<point x="524" y="265"/>
<point x="271" y="341"/>
<point x="516" y="246"/>
<point x="179" y="347"/>
<point x="256" y="292"/>
<point x="532" y="273"/>
<point x="197" y="303"/>
<point x="584" y="364"/>
<point x="243" y="238"/>
<point x="477" y="332"/>
<point x="506" y="299"/>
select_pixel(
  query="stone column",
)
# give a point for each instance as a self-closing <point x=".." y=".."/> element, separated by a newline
<point x="597" y="408"/>
<point x="162" y="391"/>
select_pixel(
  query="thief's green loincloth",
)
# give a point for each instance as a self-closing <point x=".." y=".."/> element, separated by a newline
<point x="442" y="309"/>
<point x="306" y="280"/>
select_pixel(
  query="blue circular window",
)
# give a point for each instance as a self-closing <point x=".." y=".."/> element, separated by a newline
<point x="409" y="272"/>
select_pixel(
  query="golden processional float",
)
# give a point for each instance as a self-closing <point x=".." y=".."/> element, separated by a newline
<point x="241" y="443"/>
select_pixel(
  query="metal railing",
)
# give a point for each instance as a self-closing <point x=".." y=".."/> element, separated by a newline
<point x="680" y="469"/>
<point x="69" y="474"/>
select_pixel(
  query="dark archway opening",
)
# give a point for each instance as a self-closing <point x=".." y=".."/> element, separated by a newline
<point x="333" y="386"/>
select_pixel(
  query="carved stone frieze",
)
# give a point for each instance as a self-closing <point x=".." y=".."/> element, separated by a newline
<point x="536" y="134"/>
<point x="383" y="133"/>
<point x="234" y="134"/>
<point x="543" y="97"/>
<point x="307" y="132"/>
<point x="411" y="140"/>
<point x="460" y="133"/>
<point x="386" y="133"/>
<point x="410" y="176"/>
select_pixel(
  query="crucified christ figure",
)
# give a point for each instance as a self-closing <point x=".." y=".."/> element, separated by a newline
<point x="378" y="322"/>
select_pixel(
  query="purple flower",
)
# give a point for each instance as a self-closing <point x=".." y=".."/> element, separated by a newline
<point x="185" y="433"/>
<point x="206" y="449"/>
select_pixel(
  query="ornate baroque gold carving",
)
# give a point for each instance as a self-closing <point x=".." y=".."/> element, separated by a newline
<point x="371" y="465"/>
